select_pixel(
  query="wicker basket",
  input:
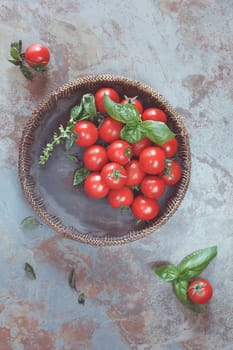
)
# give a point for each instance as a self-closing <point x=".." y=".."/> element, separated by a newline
<point x="49" y="188"/>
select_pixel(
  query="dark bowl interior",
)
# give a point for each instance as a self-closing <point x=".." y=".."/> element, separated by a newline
<point x="49" y="188"/>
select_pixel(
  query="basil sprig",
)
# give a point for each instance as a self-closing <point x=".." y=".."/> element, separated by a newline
<point x="190" y="267"/>
<point x="135" y="128"/>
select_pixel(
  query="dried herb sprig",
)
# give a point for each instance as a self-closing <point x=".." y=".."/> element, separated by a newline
<point x="85" y="110"/>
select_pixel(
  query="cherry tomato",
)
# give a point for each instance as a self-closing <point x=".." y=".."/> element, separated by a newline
<point x="137" y="147"/>
<point x="87" y="133"/>
<point x="95" y="157"/>
<point x="152" y="186"/>
<point x="99" y="98"/>
<point x="170" y="147"/>
<point x="172" y="173"/>
<point x="200" y="291"/>
<point x="114" y="175"/>
<point x="110" y="130"/>
<point x="144" y="208"/>
<point x="95" y="187"/>
<point x="155" y="114"/>
<point x="152" y="160"/>
<point x="119" y="151"/>
<point x="134" y="101"/>
<point x="37" y="54"/>
<point x="135" y="173"/>
<point x="121" y="198"/>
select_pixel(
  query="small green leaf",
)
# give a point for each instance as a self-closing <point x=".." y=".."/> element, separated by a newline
<point x="167" y="272"/>
<point x="29" y="223"/>
<point x="132" y="134"/>
<point x="180" y="289"/>
<point x="15" y="62"/>
<point x="72" y="158"/>
<point x="88" y="102"/>
<point x="126" y="114"/>
<point x="29" y="271"/>
<point x="81" y="298"/>
<point x="72" y="278"/>
<point x="76" y="111"/>
<point x="15" y="54"/>
<point x="70" y="138"/>
<point x="157" y="132"/>
<point x="193" y="264"/>
<point x="26" y="72"/>
<point x="80" y="175"/>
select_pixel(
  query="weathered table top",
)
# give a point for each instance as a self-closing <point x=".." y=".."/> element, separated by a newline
<point x="183" y="49"/>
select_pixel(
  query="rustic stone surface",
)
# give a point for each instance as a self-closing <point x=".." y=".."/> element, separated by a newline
<point x="183" y="49"/>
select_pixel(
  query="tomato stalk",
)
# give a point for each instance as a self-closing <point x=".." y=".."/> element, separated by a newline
<point x="116" y="174"/>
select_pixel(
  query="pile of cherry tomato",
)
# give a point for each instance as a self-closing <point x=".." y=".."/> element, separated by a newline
<point x="128" y="175"/>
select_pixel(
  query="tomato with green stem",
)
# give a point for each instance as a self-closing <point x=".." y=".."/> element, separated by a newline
<point x="200" y="291"/>
<point x="144" y="208"/>
<point x="87" y="133"/>
<point x="99" y="97"/>
<point x="134" y="101"/>
<point x="114" y="175"/>
<point x="172" y="172"/>
<point x="119" y="151"/>
<point x="121" y="198"/>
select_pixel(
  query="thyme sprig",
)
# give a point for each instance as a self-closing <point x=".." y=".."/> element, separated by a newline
<point x="85" y="110"/>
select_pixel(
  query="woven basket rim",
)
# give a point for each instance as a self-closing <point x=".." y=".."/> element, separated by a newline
<point x="28" y="185"/>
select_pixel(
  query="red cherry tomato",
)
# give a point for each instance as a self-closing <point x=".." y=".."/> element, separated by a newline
<point x="99" y="98"/>
<point x="114" y="175"/>
<point x="95" y="187"/>
<point x="134" y="101"/>
<point x="152" y="186"/>
<point x="155" y="114"/>
<point x="172" y="173"/>
<point x="144" y="208"/>
<point x="135" y="173"/>
<point x="200" y="291"/>
<point x="119" y="151"/>
<point x="87" y="133"/>
<point x="137" y="147"/>
<point x="37" y="54"/>
<point x="110" y="130"/>
<point x="95" y="157"/>
<point x="170" y="147"/>
<point x="152" y="160"/>
<point x="121" y="198"/>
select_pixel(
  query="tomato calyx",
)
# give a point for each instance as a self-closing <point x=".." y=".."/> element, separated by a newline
<point x="116" y="174"/>
<point x="197" y="288"/>
<point x="130" y="100"/>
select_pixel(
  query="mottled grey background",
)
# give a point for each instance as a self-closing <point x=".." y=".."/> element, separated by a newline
<point x="184" y="50"/>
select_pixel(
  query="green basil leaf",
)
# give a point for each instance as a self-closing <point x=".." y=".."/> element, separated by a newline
<point x="126" y="114"/>
<point x="193" y="264"/>
<point x="76" y="111"/>
<point x="29" y="271"/>
<point x="88" y="102"/>
<point x="131" y="134"/>
<point x="180" y="289"/>
<point x="15" y="54"/>
<point x="157" y="132"/>
<point x="81" y="298"/>
<point x="80" y="175"/>
<point x="72" y="278"/>
<point x="167" y="272"/>
<point x="70" y="140"/>
<point x="29" y="223"/>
